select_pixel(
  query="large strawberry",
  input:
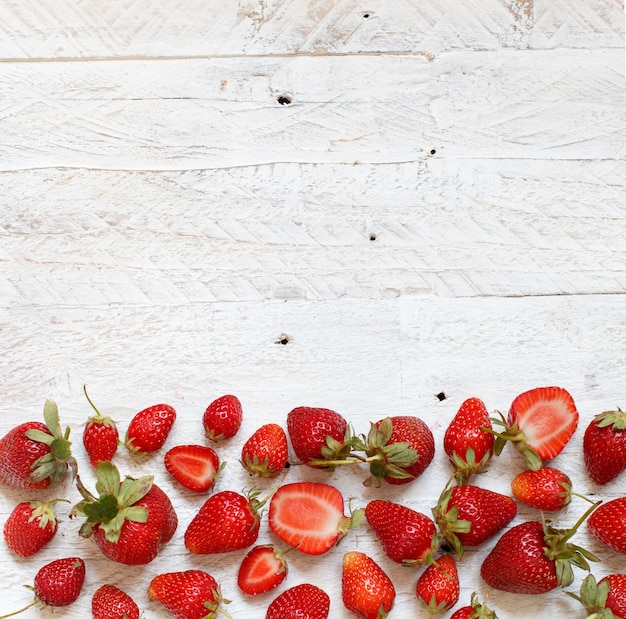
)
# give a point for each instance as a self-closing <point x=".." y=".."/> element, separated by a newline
<point x="195" y="467"/>
<point x="34" y="455"/>
<point x="129" y="520"/>
<point x="262" y="569"/>
<point x="366" y="590"/>
<point x="605" y="599"/>
<point x="608" y="524"/>
<point x="437" y="588"/>
<point x="309" y="516"/>
<point x="100" y="436"/>
<point x="407" y="536"/>
<point x="466" y="441"/>
<point x="110" y="602"/>
<point x="604" y="446"/>
<point x="149" y="428"/>
<point x="222" y="418"/>
<point x="265" y="453"/>
<point x="474" y="610"/>
<point x="540" y="423"/>
<point x="547" y="488"/>
<point x="305" y="601"/>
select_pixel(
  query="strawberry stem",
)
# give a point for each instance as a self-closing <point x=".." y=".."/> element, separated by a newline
<point x="17" y="612"/>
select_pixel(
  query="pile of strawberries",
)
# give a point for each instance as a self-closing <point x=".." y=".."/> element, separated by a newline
<point x="130" y="519"/>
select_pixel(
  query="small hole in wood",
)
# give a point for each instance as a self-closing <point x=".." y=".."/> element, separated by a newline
<point x="366" y="15"/>
<point x="283" y="339"/>
<point x="284" y="99"/>
<point x="433" y="151"/>
<point x="441" y="396"/>
<point x="373" y="236"/>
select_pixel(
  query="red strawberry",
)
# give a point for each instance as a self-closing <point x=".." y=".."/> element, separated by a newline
<point x="604" y="446"/>
<point x="366" y="590"/>
<point x="227" y="521"/>
<point x="262" y="569"/>
<point x="468" y="515"/>
<point x="608" y="524"/>
<point x="265" y="452"/>
<point x="30" y="526"/>
<point x="407" y="536"/>
<point x="466" y="442"/>
<point x="540" y="423"/>
<point x="437" y="587"/>
<point x="130" y="520"/>
<point x="222" y="418"/>
<point x="532" y="558"/>
<point x="548" y="489"/>
<point x="149" y="428"/>
<point x="475" y="610"/>
<point x="34" y="455"/>
<point x="192" y="594"/>
<point x="605" y="599"/>
<point x="309" y="516"/>
<point x="109" y="602"/>
<point x="304" y="601"/>
<point x="100" y="436"/>
<point x="195" y="467"/>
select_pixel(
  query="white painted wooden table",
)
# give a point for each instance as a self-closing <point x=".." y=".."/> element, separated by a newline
<point x="423" y="196"/>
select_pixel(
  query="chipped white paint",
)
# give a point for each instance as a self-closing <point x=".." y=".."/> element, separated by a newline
<point x="436" y="205"/>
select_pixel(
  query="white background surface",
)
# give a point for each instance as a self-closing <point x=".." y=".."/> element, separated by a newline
<point x="164" y="221"/>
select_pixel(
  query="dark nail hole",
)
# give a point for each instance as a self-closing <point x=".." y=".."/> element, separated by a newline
<point x="373" y="237"/>
<point x="433" y="151"/>
<point x="284" y="99"/>
<point x="366" y="15"/>
<point x="283" y="339"/>
<point x="441" y="396"/>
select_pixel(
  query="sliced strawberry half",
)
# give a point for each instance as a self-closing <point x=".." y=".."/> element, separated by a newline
<point x="193" y="466"/>
<point x="309" y="516"/>
<point x="262" y="569"/>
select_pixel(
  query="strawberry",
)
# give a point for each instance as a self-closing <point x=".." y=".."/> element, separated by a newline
<point x="130" y="520"/>
<point x="34" y="455"/>
<point x="192" y="594"/>
<point x="100" y="436"/>
<point x="474" y="610"/>
<point x="608" y="524"/>
<point x="437" y="588"/>
<point x="366" y="590"/>
<point x="605" y="599"/>
<point x="309" y="516"/>
<point x="262" y="569"/>
<point x="548" y="489"/>
<point x="407" y="536"/>
<point x="540" y="423"/>
<point x="195" y="467"/>
<point x="222" y="418"/>
<point x="303" y="601"/>
<point x="30" y="526"/>
<point x="109" y="602"/>
<point x="604" y="446"/>
<point x="469" y="515"/>
<point x="227" y="521"/>
<point x="534" y="557"/>
<point x="467" y="443"/>
<point x="149" y="428"/>
<point x="265" y="453"/>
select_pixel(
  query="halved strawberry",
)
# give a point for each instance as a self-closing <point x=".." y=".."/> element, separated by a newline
<point x="193" y="466"/>
<point x="309" y="516"/>
<point x="262" y="569"/>
<point x="540" y="423"/>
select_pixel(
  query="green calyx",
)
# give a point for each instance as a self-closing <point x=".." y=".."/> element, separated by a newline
<point x="448" y="521"/>
<point x="513" y="434"/>
<point x="98" y="418"/>
<point x="481" y="610"/>
<point x="115" y="502"/>
<point x="45" y="512"/>
<point x="465" y="467"/>
<point x="214" y="606"/>
<point x="55" y="464"/>
<point x="616" y="419"/>
<point x="593" y="597"/>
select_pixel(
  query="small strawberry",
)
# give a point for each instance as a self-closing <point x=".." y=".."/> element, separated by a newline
<point x="304" y="601"/>
<point x="475" y="610"/>
<point x="407" y="536"/>
<point x="30" y="526"/>
<point x="437" y="588"/>
<point x="192" y="594"/>
<point x="195" y="467"/>
<point x="222" y="418"/>
<point x="466" y="442"/>
<point x="309" y="516"/>
<point x="110" y="602"/>
<point x="604" y="446"/>
<point x="262" y="569"/>
<point x="540" y="423"/>
<point x="469" y="515"/>
<point x="34" y="455"/>
<point x="149" y="428"/>
<point x="605" y="599"/>
<point x="130" y="520"/>
<point x="265" y="453"/>
<point x="547" y="488"/>
<point x="532" y="558"/>
<point x="100" y="436"/>
<point x="608" y="524"/>
<point x="366" y="590"/>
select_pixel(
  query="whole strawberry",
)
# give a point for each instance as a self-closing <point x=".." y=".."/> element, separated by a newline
<point x="467" y="443"/>
<point x="437" y="588"/>
<point x="130" y="520"/>
<point x="605" y="599"/>
<point x="475" y="610"/>
<point x="305" y="601"/>
<point x="265" y="453"/>
<point x="192" y="594"/>
<point x="110" y="602"/>
<point x="608" y="524"/>
<point x="407" y="536"/>
<point x="547" y="488"/>
<point x="262" y="569"/>
<point x="149" y="428"/>
<point x="604" y="446"/>
<point x="30" y="526"/>
<point x="222" y="418"/>
<point x="366" y="590"/>
<point x="34" y="455"/>
<point x="100" y="436"/>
